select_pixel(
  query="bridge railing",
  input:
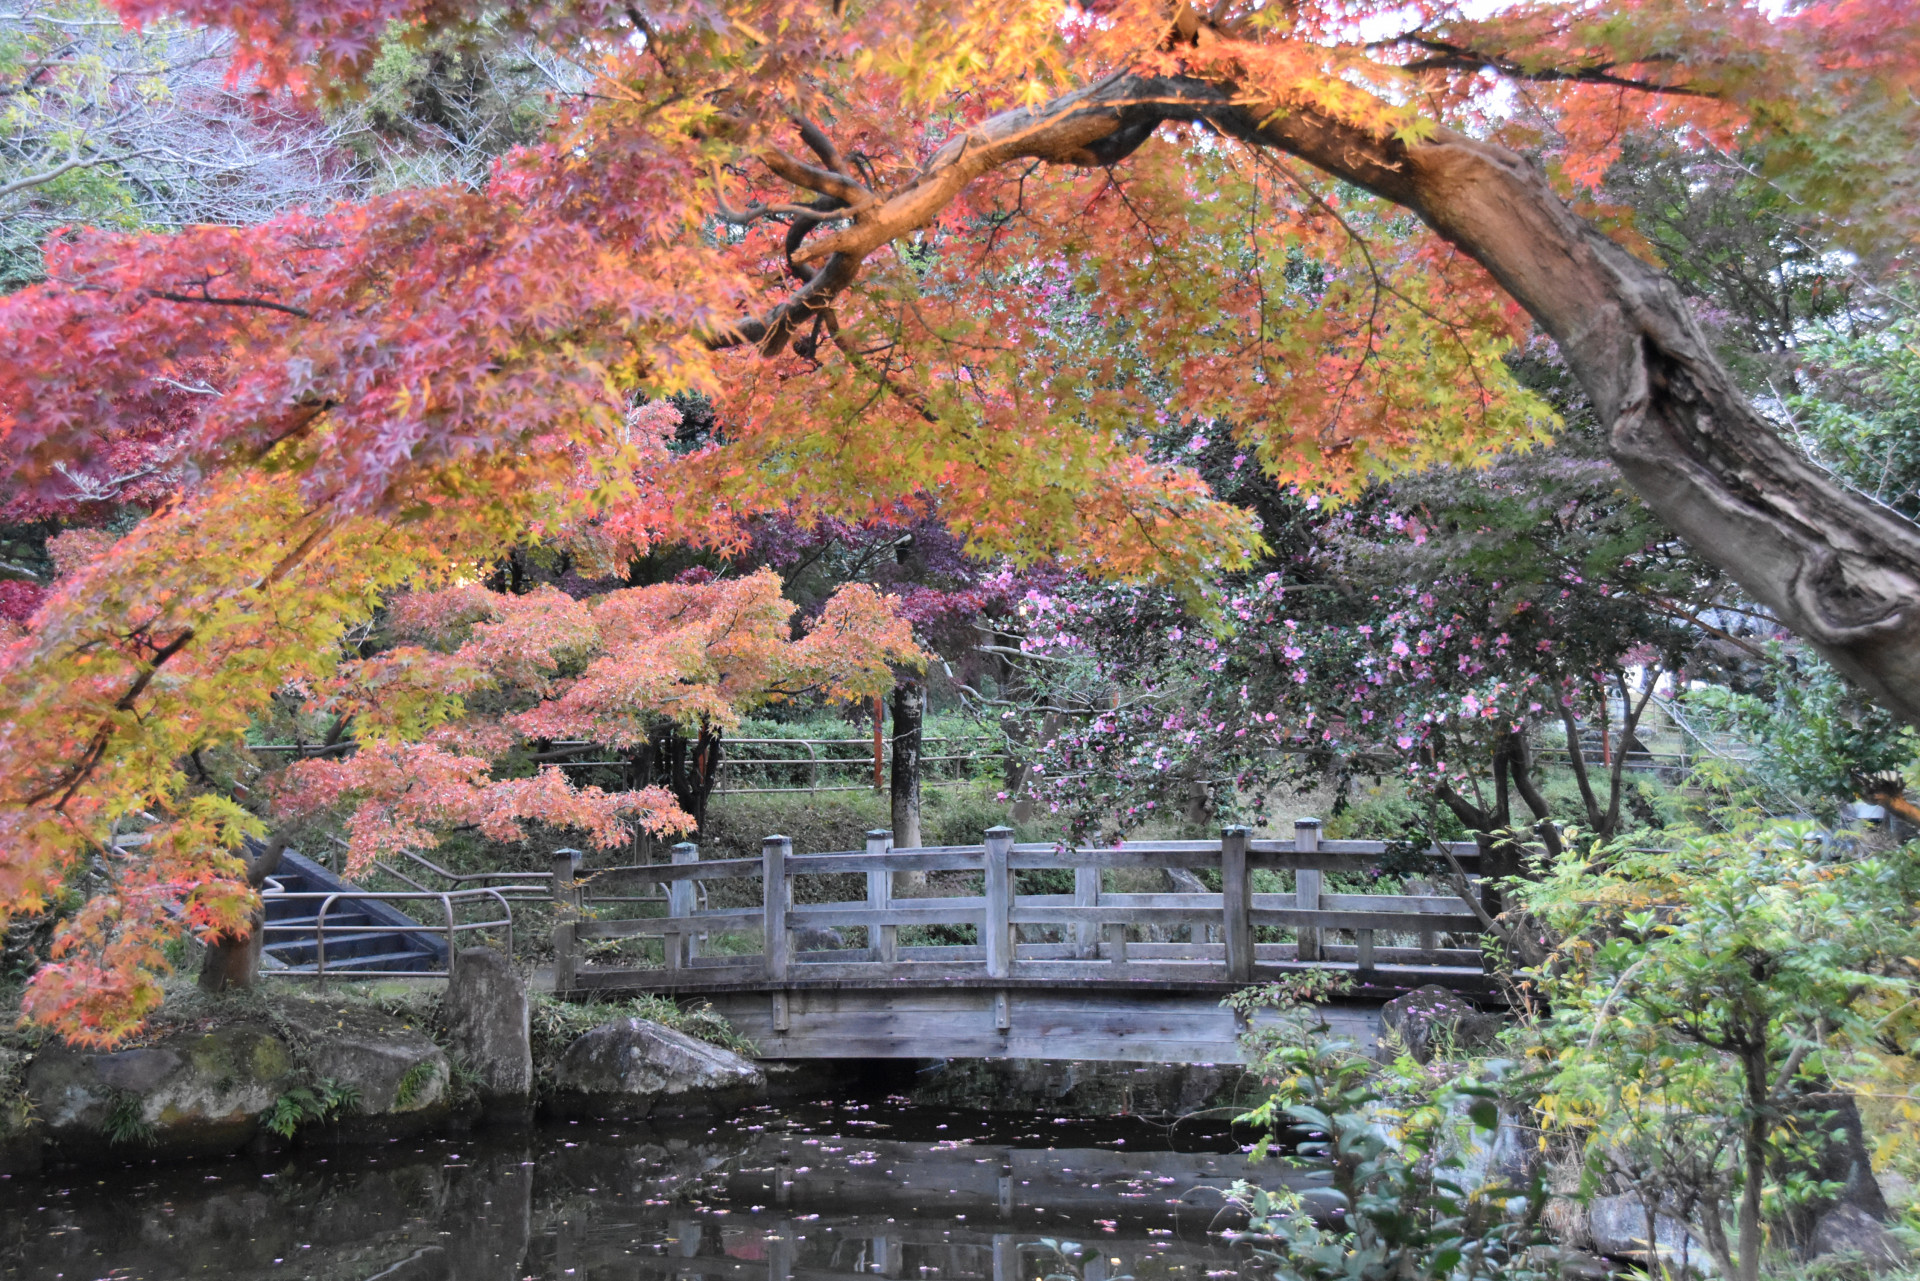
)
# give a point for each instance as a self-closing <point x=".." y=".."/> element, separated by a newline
<point x="999" y="933"/>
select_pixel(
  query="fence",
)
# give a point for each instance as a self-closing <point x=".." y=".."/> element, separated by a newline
<point x="1082" y="936"/>
<point x="363" y="941"/>
<point x="803" y="773"/>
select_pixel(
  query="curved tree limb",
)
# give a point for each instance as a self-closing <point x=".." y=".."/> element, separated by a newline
<point x="1839" y="569"/>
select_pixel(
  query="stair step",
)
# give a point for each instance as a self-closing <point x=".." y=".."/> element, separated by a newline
<point x="312" y="921"/>
<point x="305" y="947"/>
<point x="410" y="959"/>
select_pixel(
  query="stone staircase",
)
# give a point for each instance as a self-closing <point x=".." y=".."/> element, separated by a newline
<point x="362" y="935"/>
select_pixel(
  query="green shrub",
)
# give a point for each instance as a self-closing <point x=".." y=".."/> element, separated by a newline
<point x="1390" y="1144"/>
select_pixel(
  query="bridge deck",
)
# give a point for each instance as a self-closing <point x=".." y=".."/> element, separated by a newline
<point x="1095" y="974"/>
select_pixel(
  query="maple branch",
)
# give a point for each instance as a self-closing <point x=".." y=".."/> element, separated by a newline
<point x="69" y="782"/>
<point x="90" y="490"/>
<point x="814" y="178"/>
<point x="822" y="146"/>
<point x="97" y="746"/>
<point x="855" y="357"/>
<point x="205" y="297"/>
<point x="1448" y="56"/>
<point x="1678" y="426"/>
<point x="754" y="212"/>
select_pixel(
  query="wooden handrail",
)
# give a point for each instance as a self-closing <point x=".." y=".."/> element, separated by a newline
<point x="799" y="939"/>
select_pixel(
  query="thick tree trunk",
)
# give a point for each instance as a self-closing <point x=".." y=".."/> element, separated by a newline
<point x="1839" y="569"/>
<point x="235" y="962"/>
<point x="909" y="706"/>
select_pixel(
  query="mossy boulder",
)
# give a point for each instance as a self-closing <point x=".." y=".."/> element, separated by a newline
<point x="195" y="1092"/>
<point x="399" y="1080"/>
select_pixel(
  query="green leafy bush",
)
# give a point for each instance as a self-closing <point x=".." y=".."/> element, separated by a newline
<point x="1707" y="1000"/>
<point x="1403" y="1204"/>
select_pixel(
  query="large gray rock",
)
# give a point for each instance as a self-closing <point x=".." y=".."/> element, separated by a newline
<point x="399" y="1078"/>
<point x="1432" y="1019"/>
<point x="635" y="1067"/>
<point x="193" y="1093"/>
<point x="1849" y="1230"/>
<point x="1618" y="1227"/>
<point x="1507" y="1155"/>
<point x="487" y="1024"/>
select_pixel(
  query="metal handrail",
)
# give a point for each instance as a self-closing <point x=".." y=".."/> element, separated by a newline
<point x="460" y="879"/>
<point x="445" y="897"/>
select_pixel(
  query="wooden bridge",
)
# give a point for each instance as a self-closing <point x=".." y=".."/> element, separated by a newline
<point x="954" y="960"/>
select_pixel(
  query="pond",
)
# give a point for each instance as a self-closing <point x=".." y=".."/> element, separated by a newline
<point x="849" y="1190"/>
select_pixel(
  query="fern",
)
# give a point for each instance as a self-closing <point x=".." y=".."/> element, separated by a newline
<point x="414" y="1084"/>
<point x="322" y="1101"/>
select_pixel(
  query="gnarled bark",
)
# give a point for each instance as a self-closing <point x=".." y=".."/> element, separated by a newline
<point x="1839" y="569"/>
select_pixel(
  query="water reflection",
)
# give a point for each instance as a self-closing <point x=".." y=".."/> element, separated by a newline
<point x="861" y="1189"/>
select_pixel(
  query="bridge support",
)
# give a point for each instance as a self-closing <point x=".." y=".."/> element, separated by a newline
<point x="1019" y="1022"/>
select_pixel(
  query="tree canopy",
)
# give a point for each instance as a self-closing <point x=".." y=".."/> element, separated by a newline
<point x="921" y="256"/>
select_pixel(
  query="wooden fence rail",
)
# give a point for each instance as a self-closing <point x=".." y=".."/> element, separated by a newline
<point x="1092" y="935"/>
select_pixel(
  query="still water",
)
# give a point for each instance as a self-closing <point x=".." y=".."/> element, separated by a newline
<point x="845" y="1191"/>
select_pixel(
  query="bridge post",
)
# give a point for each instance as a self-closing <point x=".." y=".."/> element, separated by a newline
<point x="1086" y="893"/>
<point x="776" y="893"/>
<point x="680" y="900"/>
<point x="1306" y="886"/>
<point x="882" y="940"/>
<point x="1236" y="904"/>
<point x="566" y="911"/>
<point x="997" y="933"/>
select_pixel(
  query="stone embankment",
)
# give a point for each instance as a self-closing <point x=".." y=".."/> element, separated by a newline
<point x="315" y="1070"/>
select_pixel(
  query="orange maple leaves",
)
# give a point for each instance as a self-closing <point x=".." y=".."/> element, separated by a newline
<point x="613" y="670"/>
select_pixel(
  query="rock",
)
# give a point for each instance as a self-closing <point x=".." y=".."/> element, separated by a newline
<point x="487" y="1024"/>
<point x="635" y="1067"/>
<point x="1618" y="1227"/>
<point x="1508" y="1156"/>
<point x="397" y="1076"/>
<point x="1431" y="1018"/>
<point x="1847" y="1229"/>
<point x="193" y="1093"/>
